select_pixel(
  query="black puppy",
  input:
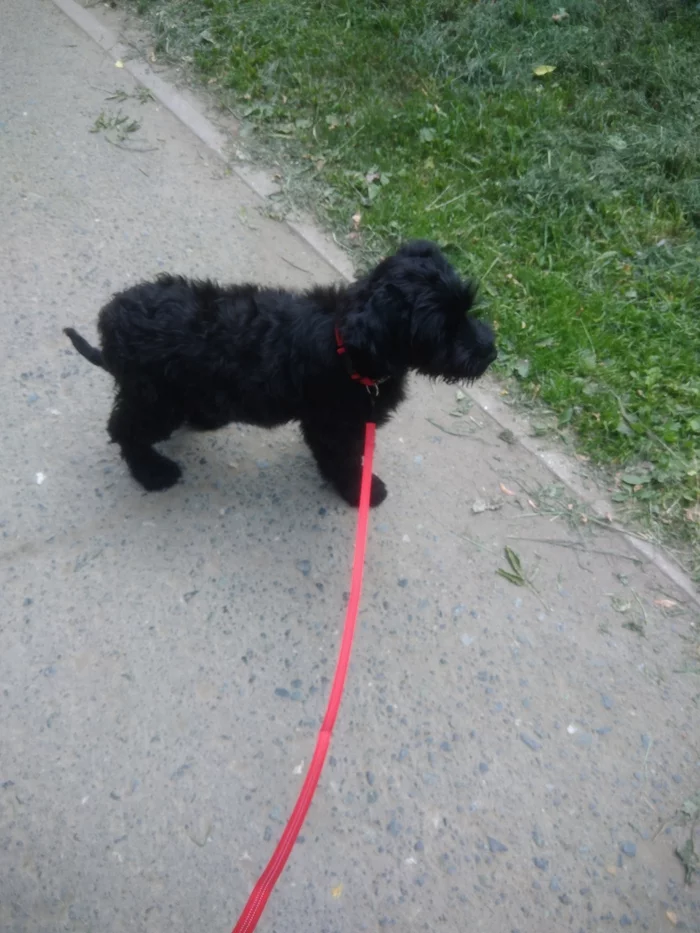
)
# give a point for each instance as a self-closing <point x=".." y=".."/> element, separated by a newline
<point x="195" y="353"/>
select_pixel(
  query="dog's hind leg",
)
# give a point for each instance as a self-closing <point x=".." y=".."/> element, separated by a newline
<point x="136" y="423"/>
<point x="338" y="447"/>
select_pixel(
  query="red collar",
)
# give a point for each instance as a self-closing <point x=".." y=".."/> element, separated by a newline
<point x="342" y="351"/>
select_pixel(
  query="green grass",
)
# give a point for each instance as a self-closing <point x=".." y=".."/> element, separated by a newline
<point x="574" y="197"/>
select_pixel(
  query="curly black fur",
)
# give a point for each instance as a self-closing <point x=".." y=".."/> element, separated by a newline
<point x="195" y="353"/>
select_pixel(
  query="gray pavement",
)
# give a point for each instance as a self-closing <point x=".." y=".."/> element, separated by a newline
<point x="504" y="755"/>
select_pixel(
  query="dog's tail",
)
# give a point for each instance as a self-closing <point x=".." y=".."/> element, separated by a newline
<point x="83" y="347"/>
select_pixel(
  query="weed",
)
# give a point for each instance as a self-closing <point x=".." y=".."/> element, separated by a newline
<point x="119" y="126"/>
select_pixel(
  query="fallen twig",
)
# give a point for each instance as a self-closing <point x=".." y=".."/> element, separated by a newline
<point x="131" y="148"/>
<point x="561" y="542"/>
<point x="294" y="265"/>
<point x="470" y="434"/>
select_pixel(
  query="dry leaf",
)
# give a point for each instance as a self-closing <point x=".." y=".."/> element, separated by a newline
<point x="506" y="491"/>
<point x="672" y="917"/>
<point x="119" y="63"/>
<point x="151" y="54"/>
<point x="356" y="218"/>
<point x="541" y="70"/>
<point x="532" y="504"/>
<point x="337" y="891"/>
<point x="665" y="603"/>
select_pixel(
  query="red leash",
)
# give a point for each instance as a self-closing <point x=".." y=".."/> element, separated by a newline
<point x="252" y="911"/>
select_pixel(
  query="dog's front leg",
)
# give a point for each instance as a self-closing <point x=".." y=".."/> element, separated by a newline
<point x="338" y="447"/>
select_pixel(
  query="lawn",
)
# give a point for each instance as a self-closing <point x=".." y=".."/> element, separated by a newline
<point x="553" y="151"/>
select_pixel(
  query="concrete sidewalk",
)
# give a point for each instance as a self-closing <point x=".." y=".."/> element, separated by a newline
<point x="504" y="755"/>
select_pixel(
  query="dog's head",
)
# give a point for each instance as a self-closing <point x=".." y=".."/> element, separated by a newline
<point x="415" y="311"/>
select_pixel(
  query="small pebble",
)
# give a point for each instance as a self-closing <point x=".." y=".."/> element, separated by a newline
<point x="483" y="767"/>
<point x="530" y="742"/>
<point x="541" y="863"/>
<point x="304" y="566"/>
<point x="607" y="701"/>
<point x="495" y="845"/>
<point x="281" y="692"/>
<point x="403" y="582"/>
<point x="370" y="778"/>
<point x="565" y="899"/>
<point x="394" y="828"/>
<point x="629" y="849"/>
<point x="419" y="846"/>
<point x="625" y="921"/>
<point x="555" y="884"/>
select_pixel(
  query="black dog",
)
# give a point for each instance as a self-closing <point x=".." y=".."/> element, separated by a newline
<point x="194" y="353"/>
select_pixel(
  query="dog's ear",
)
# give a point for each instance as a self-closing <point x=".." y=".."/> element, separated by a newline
<point x="421" y="249"/>
<point x="371" y="320"/>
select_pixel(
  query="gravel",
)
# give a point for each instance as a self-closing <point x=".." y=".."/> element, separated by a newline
<point x="530" y="742"/>
<point x="495" y="845"/>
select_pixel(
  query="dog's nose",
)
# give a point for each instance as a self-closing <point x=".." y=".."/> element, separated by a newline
<point x="486" y="341"/>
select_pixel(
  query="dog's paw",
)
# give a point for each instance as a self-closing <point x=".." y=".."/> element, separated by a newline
<point x="378" y="492"/>
<point x="155" y="472"/>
